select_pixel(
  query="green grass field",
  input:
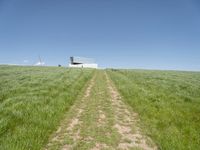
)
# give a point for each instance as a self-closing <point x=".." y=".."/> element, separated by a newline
<point x="168" y="103"/>
<point x="33" y="100"/>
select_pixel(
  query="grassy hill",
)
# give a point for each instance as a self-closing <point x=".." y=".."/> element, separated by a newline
<point x="33" y="101"/>
<point x="168" y="103"/>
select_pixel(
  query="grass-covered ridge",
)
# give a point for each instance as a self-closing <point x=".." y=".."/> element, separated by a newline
<point x="32" y="102"/>
<point x="168" y="104"/>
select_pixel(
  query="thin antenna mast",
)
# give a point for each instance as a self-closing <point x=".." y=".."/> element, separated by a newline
<point x="40" y="60"/>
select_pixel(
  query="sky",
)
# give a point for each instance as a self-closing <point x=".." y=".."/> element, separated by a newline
<point x="141" y="34"/>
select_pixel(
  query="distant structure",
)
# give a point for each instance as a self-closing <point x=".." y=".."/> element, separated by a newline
<point x="81" y="62"/>
<point x="40" y="62"/>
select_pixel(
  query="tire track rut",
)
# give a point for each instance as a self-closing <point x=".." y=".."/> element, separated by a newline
<point x="100" y="120"/>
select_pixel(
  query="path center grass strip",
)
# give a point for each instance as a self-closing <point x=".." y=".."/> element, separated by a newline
<point x="32" y="102"/>
<point x="168" y="103"/>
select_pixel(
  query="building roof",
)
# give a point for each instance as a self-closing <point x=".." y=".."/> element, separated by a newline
<point x="81" y="60"/>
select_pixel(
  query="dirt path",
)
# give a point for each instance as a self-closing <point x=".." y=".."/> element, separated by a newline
<point x="100" y="120"/>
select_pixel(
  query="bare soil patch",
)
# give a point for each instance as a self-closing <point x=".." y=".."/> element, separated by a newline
<point x="126" y="120"/>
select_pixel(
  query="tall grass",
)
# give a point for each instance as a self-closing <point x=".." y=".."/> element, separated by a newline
<point x="33" y="100"/>
<point x="168" y="104"/>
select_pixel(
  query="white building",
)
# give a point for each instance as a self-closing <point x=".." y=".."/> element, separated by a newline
<point x="81" y="62"/>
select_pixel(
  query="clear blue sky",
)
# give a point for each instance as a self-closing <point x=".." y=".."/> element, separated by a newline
<point x="151" y="34"/>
